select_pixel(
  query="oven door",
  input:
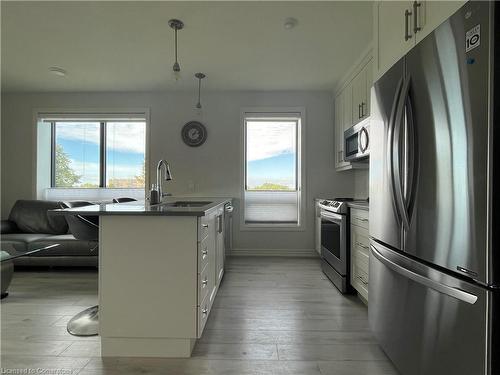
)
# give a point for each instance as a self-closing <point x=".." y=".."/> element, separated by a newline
<point x="334" y="240"/>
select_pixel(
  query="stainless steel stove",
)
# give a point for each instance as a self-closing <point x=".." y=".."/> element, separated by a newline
<point x="337" y="205"/>
<point x="335" y="253"/>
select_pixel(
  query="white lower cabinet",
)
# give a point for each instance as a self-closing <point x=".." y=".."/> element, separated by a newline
<point x="360" y="252"/>
<point x="317" y="228"/>
<point x="210" y="263"/>
<point x="220" y="250"/>
<point x="171" y="266"/>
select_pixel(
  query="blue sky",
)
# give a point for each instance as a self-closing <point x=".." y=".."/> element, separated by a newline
<point x="278" y="169"/>
<point x="125" y="151"/>
<point x="271" y="148"/>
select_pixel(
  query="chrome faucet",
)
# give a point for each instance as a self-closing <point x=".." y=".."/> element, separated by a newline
<point x="168" y="177"/>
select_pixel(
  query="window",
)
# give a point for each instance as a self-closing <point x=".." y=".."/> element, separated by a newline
<point x="272" y="169"/>
<point x="93" y="154"/>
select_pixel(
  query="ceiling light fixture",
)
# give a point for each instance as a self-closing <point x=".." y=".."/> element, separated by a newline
<point x="176" y="25"/>
<point x="200" y="76"/>
<point x="60" y="72"/>
<point x="290" y="23"/>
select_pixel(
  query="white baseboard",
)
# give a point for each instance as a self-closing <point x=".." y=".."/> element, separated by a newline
<point x="310" y="253"/>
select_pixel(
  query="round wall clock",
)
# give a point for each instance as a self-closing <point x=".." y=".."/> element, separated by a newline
<point x="194" y="133"/>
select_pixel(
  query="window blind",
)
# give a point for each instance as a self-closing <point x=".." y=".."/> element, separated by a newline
<point x="272" y="207"/>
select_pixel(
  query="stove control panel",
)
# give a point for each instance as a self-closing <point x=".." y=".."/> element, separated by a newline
<point x="334" y="206"/>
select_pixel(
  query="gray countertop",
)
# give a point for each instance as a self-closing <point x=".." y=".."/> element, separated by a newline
<point x="143" y="208"/>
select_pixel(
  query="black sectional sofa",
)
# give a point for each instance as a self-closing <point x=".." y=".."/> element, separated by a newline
<point x="30" y="225"/>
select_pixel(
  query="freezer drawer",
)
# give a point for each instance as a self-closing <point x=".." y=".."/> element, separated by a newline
<point x="427" y="322"/>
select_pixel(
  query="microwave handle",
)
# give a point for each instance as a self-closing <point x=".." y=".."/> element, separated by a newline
<point x="363" y="133"/>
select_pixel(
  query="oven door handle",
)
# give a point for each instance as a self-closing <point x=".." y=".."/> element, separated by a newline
<point x="331" y="216"/>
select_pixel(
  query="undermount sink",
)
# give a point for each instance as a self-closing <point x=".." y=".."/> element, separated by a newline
<point x="188" y="204"/>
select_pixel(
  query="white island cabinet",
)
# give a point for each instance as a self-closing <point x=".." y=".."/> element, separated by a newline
<point x="159" y="272"/>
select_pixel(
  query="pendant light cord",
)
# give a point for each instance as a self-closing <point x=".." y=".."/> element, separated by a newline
<point x="176" y="45"/>
<point x="199" y="91"/>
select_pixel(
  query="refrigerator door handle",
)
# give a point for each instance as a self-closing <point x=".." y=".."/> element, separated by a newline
<point x="398" y="150"/>
<point x="411" y="161"/>
<point x="429" y="283"/>
<point x="390" y="150"/>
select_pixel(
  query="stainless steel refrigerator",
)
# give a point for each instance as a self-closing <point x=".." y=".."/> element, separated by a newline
<point x="435" y="200"/>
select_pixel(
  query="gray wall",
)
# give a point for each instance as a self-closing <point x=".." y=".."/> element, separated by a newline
<point x="215" y="168"/>
<point x="361" y="186"/>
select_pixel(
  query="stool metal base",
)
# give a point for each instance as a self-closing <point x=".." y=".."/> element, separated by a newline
<point x="6" y="273"/>
<point x="85" y="323"/>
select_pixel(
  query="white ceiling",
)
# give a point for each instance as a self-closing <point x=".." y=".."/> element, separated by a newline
<point x="128" y="46"/>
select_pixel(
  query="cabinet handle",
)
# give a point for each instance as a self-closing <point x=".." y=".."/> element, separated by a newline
<point x="360" y="111"/>
<point x="204" y="311"/>
<point x="416" y="27"/>
<point x="204" y="282"/>
<point x="360" y="219"/>
<point x="362" y="280"/>
<point x="407" y="16"/>
<point x="361" y="245"/>
<point x="219" y="224"/>
<point x="204" y="225"/>
<point x="204" y="253"/>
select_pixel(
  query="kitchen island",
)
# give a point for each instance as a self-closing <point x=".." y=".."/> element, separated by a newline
<point x="159" y="271"/>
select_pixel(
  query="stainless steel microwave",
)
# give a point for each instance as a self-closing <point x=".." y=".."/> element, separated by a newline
<point x="357" y="141"/>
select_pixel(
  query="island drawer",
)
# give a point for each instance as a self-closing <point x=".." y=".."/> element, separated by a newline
<point x="203" y="311"/>
<point x="203" y="255"/>
<point x="203" y="283"/>
<point x="204" y="227"/>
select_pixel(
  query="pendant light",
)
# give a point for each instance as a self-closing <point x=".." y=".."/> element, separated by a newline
<point x="176" y="25"/>
<point x="200" y="76"/>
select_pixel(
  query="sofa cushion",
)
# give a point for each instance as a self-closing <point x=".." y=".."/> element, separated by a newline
<point x="31" y="216"/>
<point x="17" y="245"/>
<point x="23" y="237"/>
<point x="8" y="226"/>
<point x="68" y="246"/>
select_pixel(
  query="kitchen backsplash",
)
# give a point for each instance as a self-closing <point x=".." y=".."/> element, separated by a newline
<point x="361" y="183"/>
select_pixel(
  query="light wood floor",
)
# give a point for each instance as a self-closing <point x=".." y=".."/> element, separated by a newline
<point x="272" y="316"/>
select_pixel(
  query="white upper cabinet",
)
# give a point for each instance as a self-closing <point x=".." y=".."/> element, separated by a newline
<point x="337" y="116"/>
<point x="339" y="131"/>
<point x="347" y="102"/>
<point x="392" y="32"/>
<point x="358" y="96"/>
<point x="352" y="104"/>
<point x="430" y="14"/>
<point x="369" y="84"/>
<point x="400" y="25"/>
<point x="361" y="85"/>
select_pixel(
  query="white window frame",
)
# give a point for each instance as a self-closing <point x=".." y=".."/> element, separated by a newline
<point x="102" y="113"/>
<point x="301" y="163"/>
